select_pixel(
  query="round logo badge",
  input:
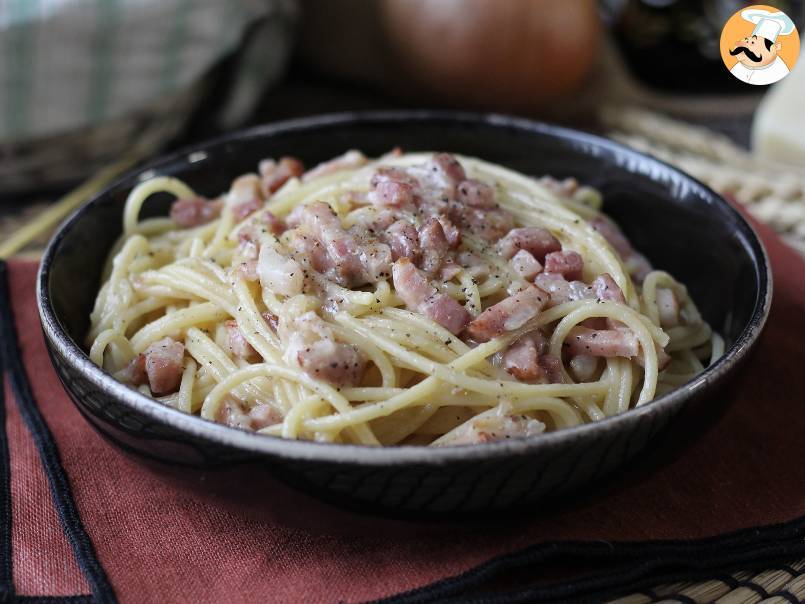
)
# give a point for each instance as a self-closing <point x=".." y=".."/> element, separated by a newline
<point x="759" y="45"/>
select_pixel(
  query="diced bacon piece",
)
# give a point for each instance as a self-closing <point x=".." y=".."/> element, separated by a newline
<point x="375" y="259"/>
<point x="668" y="306"/>
<point x="476" y="194"/>
<point x="445" y="311"/>
<point x="537" y="241"/>
<point x="614" y="236"/>
<point x="392" y="187"/>
<point x="583" y="367"/>
<point x="561" y="290"/>
<point x="353" y="199"/>
<point x="275" y="174"/>
<point x="567" y="263"/>
<point x="264" y="223"/>
<point x="490" y="225"/>
<point x="245" y="196"/>
<point x="557" y="287"/>
<point x="135" y="371"/>
<point x="373" y="220"/>
<point x="242" y="210"/>
<point x="194" y="211"/>
<point x="382" y="220"/>
<point x="563" y="188"/>
<point x="433" y="246"/>
<point x="509" y="314"/>
<point x="263" y="415"/>
<point x="553" y="368"/>
<point x="237" y="342"/>
<point x="522" y="359"/>
<point x="525" y="265"/>
<point x="247" y="234"/>
<point x="451" y="231"/>
<point x="347" y="261"/>
<point x="540" y="341"/>
<point x="446" y="170"/>
<point x="601" y="342"/>
<point x="278" y="273"/>
<point x="403" y="239"/>
<point x="449" y="270"/>
<point x="391" y="193"/>
<point x="663" y="358"/>
<point x="163" y="365"/>
<point x="310" y="343"/>
<point x="244" y="189"/>
<point x="323" y="224"/>
<point x="273" y="224"/>
<point x="248" y="250"/>
<point x="348" y="161"/>
<point x="605" y="288"/>
<point x="272" y="320"/>
<point x="231" y="413"/>
<point x="309" y="250"/>
<point x="420" y="296"/>
<point x="599" y="323"/>
<point x="294" y="218"/>
<point x="637" y="264"/>
<point x="494" y="425"/>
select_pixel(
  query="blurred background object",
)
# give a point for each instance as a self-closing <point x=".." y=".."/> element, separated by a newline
<point x="514" y="56"/>
<point x="673" y="45"/>
<point x="84" y="81"/>
<point x="778" y="130"/>
<point x="81" y="81"/>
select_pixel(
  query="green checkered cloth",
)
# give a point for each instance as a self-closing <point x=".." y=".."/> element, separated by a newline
<point x="66" y="65"/>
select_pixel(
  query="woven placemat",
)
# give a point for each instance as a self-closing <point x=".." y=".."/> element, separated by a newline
<point x="785" y="583"/>
<point x="772" y="194"/>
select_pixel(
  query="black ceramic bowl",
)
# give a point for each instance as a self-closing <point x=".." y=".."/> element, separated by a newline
<point x="681" y="225"/>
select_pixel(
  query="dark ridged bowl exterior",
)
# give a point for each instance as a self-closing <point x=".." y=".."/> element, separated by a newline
<point x="683" y="227"/>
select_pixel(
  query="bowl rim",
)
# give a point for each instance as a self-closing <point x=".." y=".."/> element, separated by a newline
<point x="60" y="342"/>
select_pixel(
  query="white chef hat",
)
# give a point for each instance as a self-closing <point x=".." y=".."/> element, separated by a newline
<point x="768" y="25"/>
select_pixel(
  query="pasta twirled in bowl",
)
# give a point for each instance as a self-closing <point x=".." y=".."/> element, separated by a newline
<point x="414" y="299"/>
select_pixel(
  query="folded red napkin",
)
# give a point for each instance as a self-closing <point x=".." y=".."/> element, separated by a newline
<point x="89" y="519"/>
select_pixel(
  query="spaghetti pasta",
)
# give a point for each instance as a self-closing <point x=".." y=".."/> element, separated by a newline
<point x="413" y="299"/>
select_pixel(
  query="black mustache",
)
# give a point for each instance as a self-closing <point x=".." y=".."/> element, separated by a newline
<point x="743" y="49"/>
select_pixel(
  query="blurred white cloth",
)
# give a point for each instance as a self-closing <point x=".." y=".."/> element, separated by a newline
<point x="69" y="64"/>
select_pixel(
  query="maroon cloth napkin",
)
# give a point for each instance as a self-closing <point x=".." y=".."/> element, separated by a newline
<point x="87" y="519"/>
